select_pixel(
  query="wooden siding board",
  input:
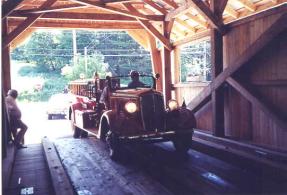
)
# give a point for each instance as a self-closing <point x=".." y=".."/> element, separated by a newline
<point x="269" y="65"/>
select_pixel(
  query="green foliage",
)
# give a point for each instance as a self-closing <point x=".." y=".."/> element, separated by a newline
<point x="50" y="51"/>
<point x="95" y="63"/>
<point x="46" y="50"/>
<point x="51" y="86"/>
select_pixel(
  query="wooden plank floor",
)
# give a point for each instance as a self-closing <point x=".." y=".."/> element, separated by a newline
<point x="30" y="170"/>
<point x="155" y="169"/>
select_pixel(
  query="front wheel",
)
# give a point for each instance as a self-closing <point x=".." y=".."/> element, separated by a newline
<point x="182" y="144"/>
<point x="77" y="130"/>
<point x="113" y="145"/>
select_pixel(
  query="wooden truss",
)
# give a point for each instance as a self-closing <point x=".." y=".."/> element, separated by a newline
<point x="227" y="75"/>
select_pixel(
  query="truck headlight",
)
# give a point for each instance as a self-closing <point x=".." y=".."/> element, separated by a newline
<point x="172" y="105"/>
<point x="130" y="107"/>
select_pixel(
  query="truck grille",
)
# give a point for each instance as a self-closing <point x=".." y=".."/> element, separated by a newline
<point x="152" y="111"/>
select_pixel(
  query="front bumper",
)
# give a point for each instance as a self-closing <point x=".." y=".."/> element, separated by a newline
<point x="156" y="136"/>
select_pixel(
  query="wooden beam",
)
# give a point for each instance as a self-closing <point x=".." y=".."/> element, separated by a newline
<point x="167" y="82"/>
<point x="76" y="25"/>
<point x="156" y="61"/>
<point x="186" y="25"/>
<point x="115" y="1"/>
<point x="21" y="38"/>
<point x="221" y="6"/>
<point x="201" y="8"/>
<point x="170" y="3"/>
<point x="140" y="37"/>
<point x="230" y="11"/>
<point x="151" y="29"/>
<point x="156" y="6"/>
<point x="9" y="6"/>
<point x="24" y="25"/>
<point x="248" y="5"/>
<point x="59" y="177"/>
<point x="197" y="20"/>
<point x="5" y="61"/>
<point x="80" y="16"/>
<point x="278" y="26"/>
<point x="282" y="122"/>
<point x="52" y="9"/>
<point x="275" y="10"/>
<point x="114" y="10"/>
<point x="193" y="37"/>
<point x="217" y="96"/>
<point x="169" y="28"/>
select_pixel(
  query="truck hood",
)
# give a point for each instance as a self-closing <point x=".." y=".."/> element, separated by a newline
<point x="132" y="92"/>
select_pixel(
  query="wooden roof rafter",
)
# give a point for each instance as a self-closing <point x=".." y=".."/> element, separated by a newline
<point x="69" y="24"/>
<point x="24" y="25"/>
<point x="203" y="10"/>
<point x="78" y="16"/>
<point x="113" y="9"/>
<point x="157" y="7"/>
<point x="232" y="12"/>
<point x="53" y="9"/>
<point x="197" y="20"/>
<point x="248" y="4"/>
<point x="185" y="25"/>
<point x="9" y="6"/>
<point x="150" y="28"/>
<point x="171" y="3"/>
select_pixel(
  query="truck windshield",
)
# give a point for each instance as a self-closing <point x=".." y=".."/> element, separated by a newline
<point x="122" y="82"/>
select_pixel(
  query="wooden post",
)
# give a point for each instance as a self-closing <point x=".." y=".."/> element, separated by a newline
<point x="6" y="75"/>
<point x="166" y="69"/>
<point x="217" y="97"/>
<point x="156" y="61"/>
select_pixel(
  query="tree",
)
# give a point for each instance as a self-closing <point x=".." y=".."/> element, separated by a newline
<point x="95" y="63"/>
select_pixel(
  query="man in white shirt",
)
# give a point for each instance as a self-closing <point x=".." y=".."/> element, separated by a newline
<point x="15" y="118"/>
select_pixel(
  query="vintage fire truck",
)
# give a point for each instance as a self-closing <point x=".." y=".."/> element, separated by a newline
<point x="128" y="115"/>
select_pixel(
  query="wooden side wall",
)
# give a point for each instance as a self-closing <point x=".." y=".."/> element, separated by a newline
<point x="265" y="76"/>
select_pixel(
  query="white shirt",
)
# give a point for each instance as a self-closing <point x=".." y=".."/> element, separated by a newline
<point x="12" y="107"/>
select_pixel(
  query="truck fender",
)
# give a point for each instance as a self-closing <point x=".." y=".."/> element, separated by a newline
<point x="107" y="119"/>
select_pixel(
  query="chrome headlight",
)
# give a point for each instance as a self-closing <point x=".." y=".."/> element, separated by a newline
<point x="172" y="105"/>
<point x="131" y="107"/>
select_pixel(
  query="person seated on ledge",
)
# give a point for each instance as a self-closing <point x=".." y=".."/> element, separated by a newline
<point x="15" y="118"/>
<point x="135" y="80"/>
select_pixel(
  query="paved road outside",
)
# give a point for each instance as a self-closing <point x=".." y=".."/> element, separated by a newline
<point x="34" y="115"/>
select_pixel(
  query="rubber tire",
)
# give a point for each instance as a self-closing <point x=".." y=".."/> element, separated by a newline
<point x="50" y="116"/>
<point x="114" y="146"/>
<point x="77" y="131"/>
<point x="182" y="145"/>
<point x="84" y="134"/>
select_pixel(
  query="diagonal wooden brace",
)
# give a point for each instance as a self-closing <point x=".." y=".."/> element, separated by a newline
<point x="256" y="102"/>
<point x="275" y="29"/>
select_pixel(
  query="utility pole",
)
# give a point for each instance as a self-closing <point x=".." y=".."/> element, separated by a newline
<point x="86" y="60"/>
<point x="75" y="46"/>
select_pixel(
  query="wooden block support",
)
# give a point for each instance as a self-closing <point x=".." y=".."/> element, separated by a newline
<point x="61" y="182"/>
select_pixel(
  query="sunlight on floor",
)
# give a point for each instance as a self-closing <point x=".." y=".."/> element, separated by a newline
<point x="34" y="115"/>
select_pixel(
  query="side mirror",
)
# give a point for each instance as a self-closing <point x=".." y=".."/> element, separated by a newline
<point x="157" y="76"/>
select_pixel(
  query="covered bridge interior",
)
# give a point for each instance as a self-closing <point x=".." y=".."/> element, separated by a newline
<point x="241" y="113"/>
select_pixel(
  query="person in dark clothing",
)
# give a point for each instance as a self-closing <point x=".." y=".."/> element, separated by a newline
<point x="15" y="114"/>
<point x="135" y="80"/>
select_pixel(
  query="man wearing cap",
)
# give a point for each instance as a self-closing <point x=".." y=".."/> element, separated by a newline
<point x="135" y="80"/>
<point x="15" y="118"/>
